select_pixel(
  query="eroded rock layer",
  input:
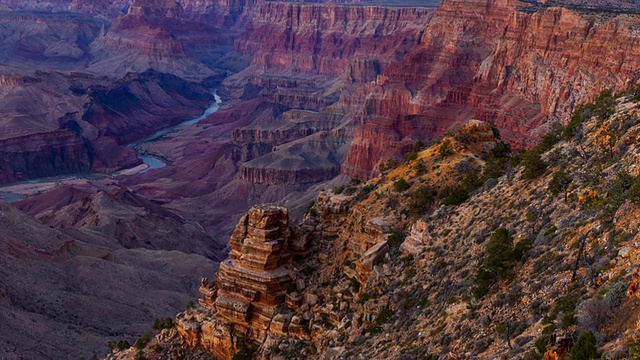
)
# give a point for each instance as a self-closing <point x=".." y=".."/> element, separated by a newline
<point x="242" y="308"/>
<point x="517" y="65"/>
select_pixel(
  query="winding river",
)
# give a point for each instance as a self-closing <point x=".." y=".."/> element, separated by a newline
<point x="18" y="191"/>
<point x="156" y="162"/>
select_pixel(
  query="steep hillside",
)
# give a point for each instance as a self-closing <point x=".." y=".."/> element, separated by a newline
<point x="466" y="249"/>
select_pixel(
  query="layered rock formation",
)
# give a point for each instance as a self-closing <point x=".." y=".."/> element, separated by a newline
<point x="363" y="297"/>
<point x="242" y="308"/>
<point x="54" y="124"/>
<point x="140" y="40"/>
<point x="38" y="155"/>
<point x="517" y="66"/>
<point x="322" y="39"/>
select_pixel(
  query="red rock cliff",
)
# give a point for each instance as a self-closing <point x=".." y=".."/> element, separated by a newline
<point x="324" y="39"/>
<point x="495" y="60"/>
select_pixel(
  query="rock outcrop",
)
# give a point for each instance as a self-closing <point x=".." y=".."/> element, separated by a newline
<point x="243" y="307"/>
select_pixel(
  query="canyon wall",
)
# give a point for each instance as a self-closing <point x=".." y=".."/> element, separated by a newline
<point x="506" y="62"/>
<point x="325" y="39"/>
<point x="55" y="124"/>
<point x="305" y="57"/>
<point x="58" y="152"/>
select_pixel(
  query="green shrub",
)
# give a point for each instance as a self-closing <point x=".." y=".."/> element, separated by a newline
<point x="401" y="185"/>
<point x="501" y="150"/>
<point x="521" y="248"/>
<point x="445" y="150"/>
<point x="420" y="168"/>
<point x="560" y="183"/>
<point x="634" y="348"/>
<point x="567" y="303"/>
<point x="384" y="316"/>
<point x="471" y="182"/>
<point x="139" y="355"/>
<point x="568" y="319"/>
<point x="633" y="194"/>
<point x="245" y="350"/>
<point x="389" y="165"/>
<point x="355" y="285"/>
<point x="308" y="270"/>
<point x="143" y="341"/>
<point x="164" y="323"/>
<point x="291" y="288"/>
<point x="533" y="166"/>
<point x="454" y="195"/>
<point x="616" y="293"/>
<point x="498" y="260"/>
<point x="546" y="143"/>
<point x="605" y="105"/>
<point x="541" y="343"/>
<point x="394" y="238"/>
<point x="585" y="348"/>
<point x="123" y="345"/>
<point x="410" y="156"/>
<point x="495" y="167"/>
<point x="580" y="114"/>
<point x="421" y="200"/>
<point x="311" y="209"/>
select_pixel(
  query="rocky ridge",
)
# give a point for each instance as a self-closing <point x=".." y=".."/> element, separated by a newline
<point x="371" y="289"/>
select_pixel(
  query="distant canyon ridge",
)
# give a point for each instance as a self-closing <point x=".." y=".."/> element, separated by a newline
<point x="313" y="94"/>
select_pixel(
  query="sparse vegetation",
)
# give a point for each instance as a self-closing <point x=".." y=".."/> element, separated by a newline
<point x="616" y="293"/>
<point x="445" y="149"/>
<point x="585" y="348"/>
<point x="143" y="341"/>
<point x="533" y="166"/>
<point x="559" y="184"/>
<point x="390" y="164"/>
<point x="245" y="350"/>
<point x="164" y="323"/>
<point x="459" y="193"/>
<point x="120" y="344"/>
<point x="498" y="259"/>
<point x="413" y="154"/>
<point x="517" y="221"/>
<point x="384" y="316"/>
<point x="311" y="209"/>
<point x="421" y="200"/>
<point x="395" y="238"/>
<point x="401" y="185"/>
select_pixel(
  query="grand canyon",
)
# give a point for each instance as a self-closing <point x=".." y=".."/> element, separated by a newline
<point x="253" y="171"/>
